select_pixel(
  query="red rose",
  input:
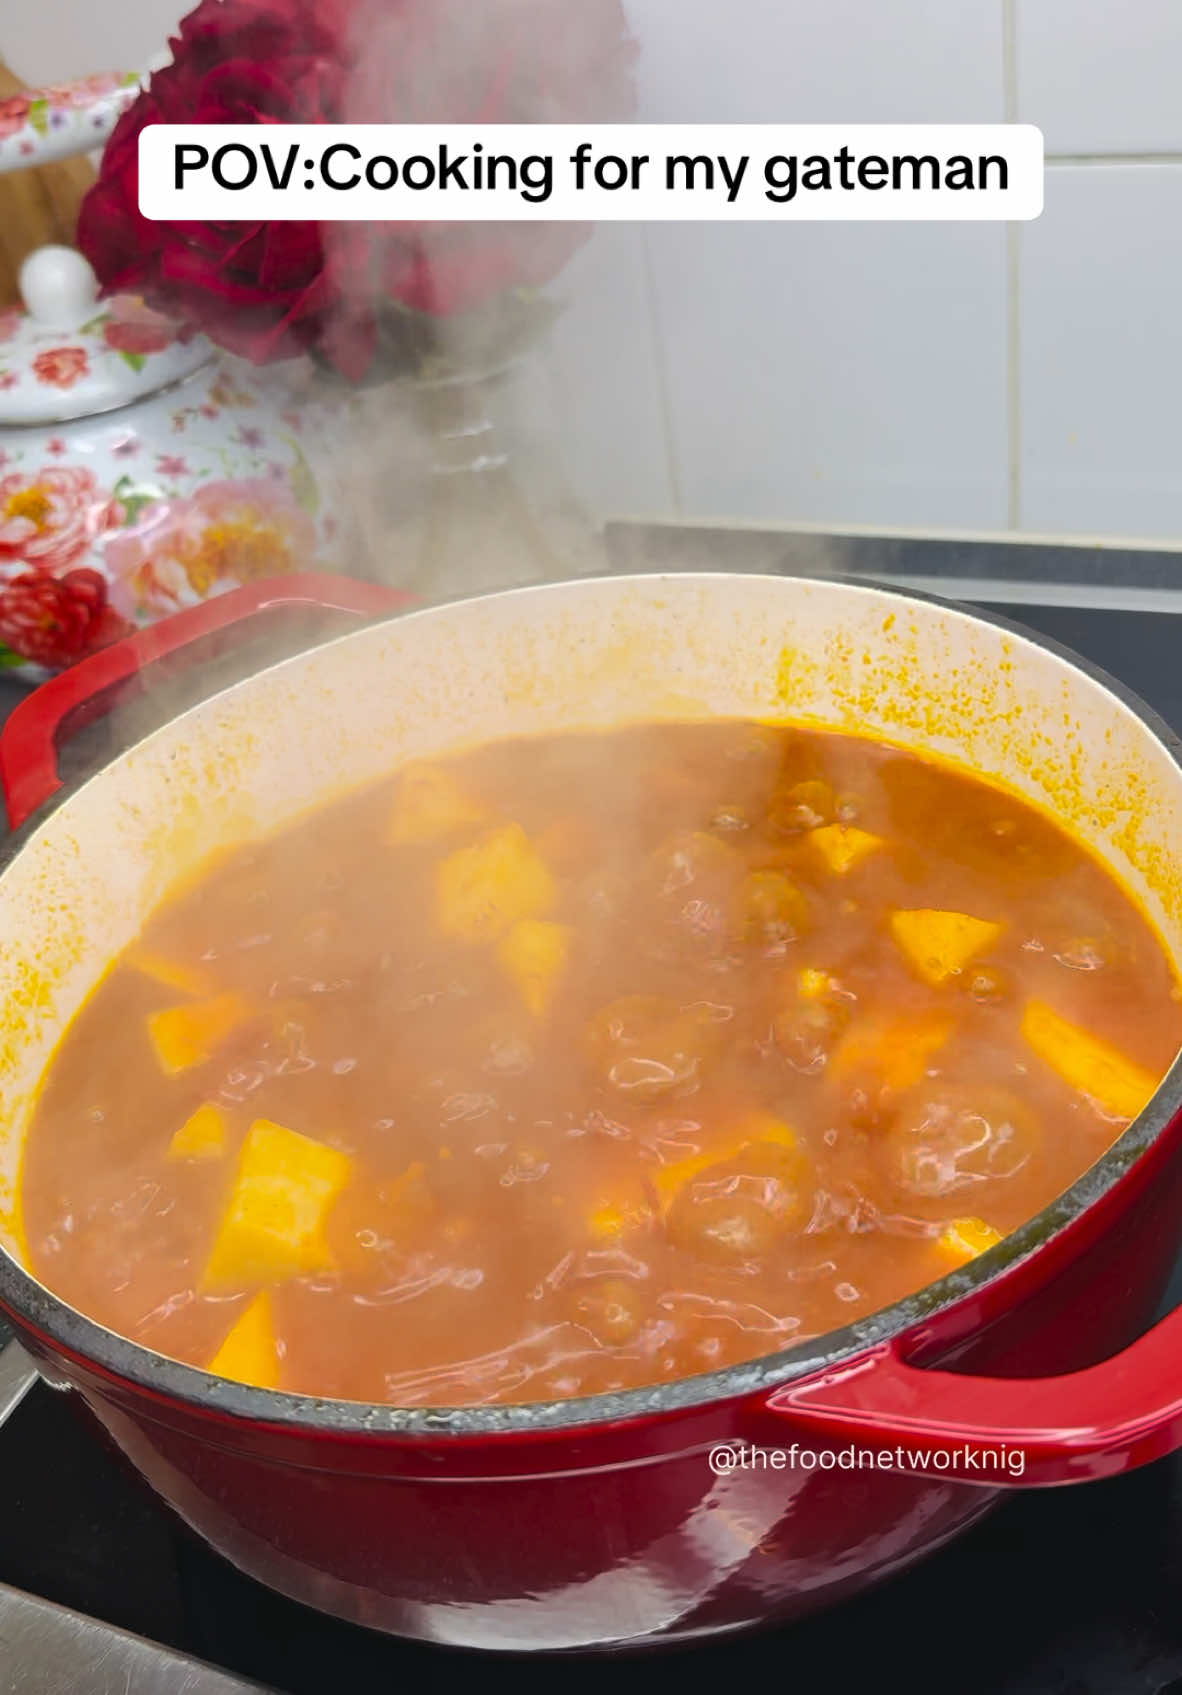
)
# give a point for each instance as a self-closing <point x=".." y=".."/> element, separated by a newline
<point x="133" y="327"/>
<point x="54" y="621"/>
<point x="259" y="289"/>
<point x="136" y="338"/>
<point x="14" y="114"/>
<point x="271" y="290"/>
<point x="62" y="366"/>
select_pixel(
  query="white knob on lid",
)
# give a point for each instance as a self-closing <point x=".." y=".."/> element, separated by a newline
<point x="58" y="287"/>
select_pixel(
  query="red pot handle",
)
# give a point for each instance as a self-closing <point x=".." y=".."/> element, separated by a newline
<point x="1109" y="1418"/>
<point x="30" y="739"/>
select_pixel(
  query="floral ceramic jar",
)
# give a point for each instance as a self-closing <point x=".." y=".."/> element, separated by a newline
<point x="139" y="470"/>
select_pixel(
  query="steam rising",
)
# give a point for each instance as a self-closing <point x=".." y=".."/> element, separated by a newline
<point x="444" y="462"/>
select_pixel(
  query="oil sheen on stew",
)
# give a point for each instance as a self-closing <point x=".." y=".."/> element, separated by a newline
<point x="588" y="1061"/>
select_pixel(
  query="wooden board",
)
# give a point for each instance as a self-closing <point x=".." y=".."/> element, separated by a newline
<point x="38" y="205"/>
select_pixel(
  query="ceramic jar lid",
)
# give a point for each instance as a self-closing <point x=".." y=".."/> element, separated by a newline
<point x="69" y="355"/>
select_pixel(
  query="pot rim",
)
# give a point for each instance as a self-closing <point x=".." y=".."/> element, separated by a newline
<point x="118" y="1356"/>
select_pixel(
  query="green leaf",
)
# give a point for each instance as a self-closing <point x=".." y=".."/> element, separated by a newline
<point x="39" y="116"/>
<point x="93" y="324"/>
<point x="303" y="483"/>
<point x="137" y="361"/>
<point x="135" y="506"/>
<point x="10" y="660"/>
<point x="133" y="500"/>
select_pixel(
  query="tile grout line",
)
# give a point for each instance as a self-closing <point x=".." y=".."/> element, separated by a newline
<point x="1014" y="374"/>
<point x="661" y="360"/>
<point x="1094" y="159"/>
<point x="1009" y="59"/>
<point x="763" y="529"/>
<point x="1013" y="278"/>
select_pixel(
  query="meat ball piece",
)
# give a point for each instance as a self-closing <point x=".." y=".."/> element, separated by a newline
<point x="957" y="1142"/>
<point x="989" y="985"/>
<point x="802" y="806"/>
<point x="374" y="1221"/>
<point x="646" y="1046"/>
<point x="736" y="1211"/>
<point x="611" y="1308"/>
<point x="693" y="879"/>
<point x="806" y="1031"/>
<point x="692" y="857"/>
<point x="505" y="1042"/>
<point x="772" y="910"/>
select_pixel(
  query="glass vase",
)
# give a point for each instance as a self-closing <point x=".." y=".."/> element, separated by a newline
<point x="452" y="487"/>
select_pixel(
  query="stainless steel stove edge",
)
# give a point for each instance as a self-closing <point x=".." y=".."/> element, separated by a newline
<point x="46" y="1649"/>
<point x="1003" y="567"/>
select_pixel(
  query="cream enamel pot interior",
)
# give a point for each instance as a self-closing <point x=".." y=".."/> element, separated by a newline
<point x="594" y="1522"/>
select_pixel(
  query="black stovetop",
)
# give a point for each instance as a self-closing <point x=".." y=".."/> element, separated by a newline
<point x="1074" y="1591"/>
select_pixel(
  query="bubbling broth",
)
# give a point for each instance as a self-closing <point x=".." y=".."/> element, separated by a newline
<point x="588" y="1061"/>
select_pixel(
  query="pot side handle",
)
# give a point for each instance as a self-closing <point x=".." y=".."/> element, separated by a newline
<point x="1007" y="1431"/>
<point x="30" y="739"/>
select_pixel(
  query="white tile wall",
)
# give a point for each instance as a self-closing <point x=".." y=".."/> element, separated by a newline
<point x="1101" y="363"/>
<point x="850" y="372"/>
<point x="820" y="61"/>
<point x="49" y="40"/>
<point x="1101" y="76"/>
<point x="862" y="374"/>
<point x="608" y="400"/>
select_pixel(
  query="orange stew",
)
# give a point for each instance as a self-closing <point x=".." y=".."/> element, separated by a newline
<point x="589" y="1061"/>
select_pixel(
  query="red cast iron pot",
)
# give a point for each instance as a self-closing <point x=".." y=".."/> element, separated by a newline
<point x="645" y="1515"/>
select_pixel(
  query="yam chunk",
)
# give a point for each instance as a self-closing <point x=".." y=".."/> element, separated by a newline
<point x="814" y="985"/>
<point x="1118" y="1085"/>
<point x="534" y="953"/>
<point x="187" y="1035"/>
<point x="169" y="973"/>
<point x="896" y="1051"/>
<point x="962" y="1239"/>
<point x="249" y="1353"/>
<point x="273" y="1226"/>
<point x="430" y="805"/>
<point x="483" y="890"/>
<point x="201" y="1136"/>
<point x="939" y="944"/>
<point x="842" y="846"/>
